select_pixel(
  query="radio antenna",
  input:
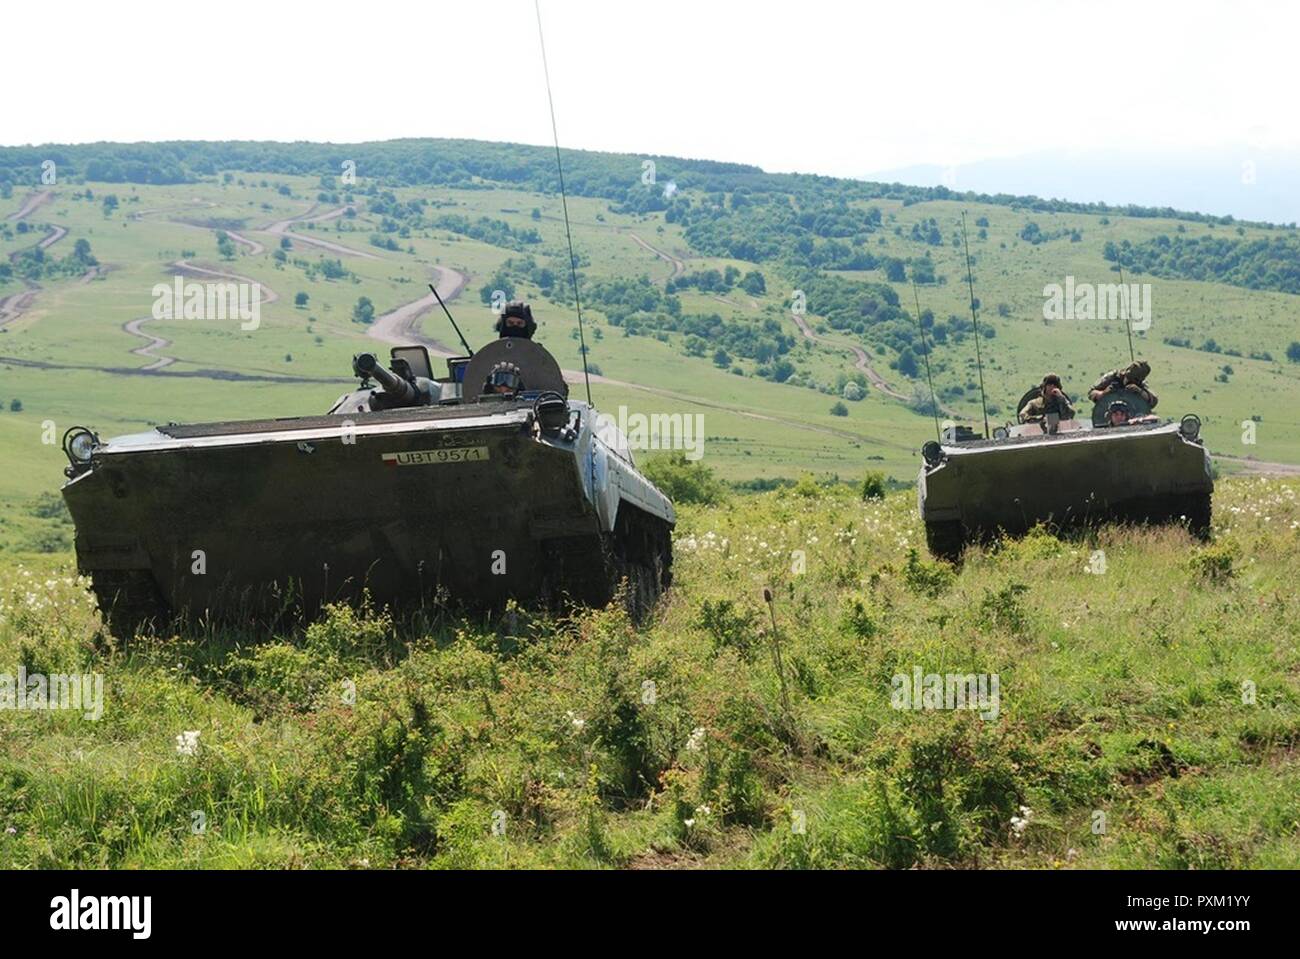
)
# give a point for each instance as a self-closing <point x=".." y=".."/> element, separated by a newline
<point x="564" y="202"/>
<point x="434" y="290"/>
<point x="1125" y="309"/>
<point x="934" y="402"/>
<point x="979" y="362"/>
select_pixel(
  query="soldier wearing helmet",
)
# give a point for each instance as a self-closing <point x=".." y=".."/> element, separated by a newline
<point x="517" y="320"/>
<point x="1131" y="378"/>
<point x="504" y="380"/>
<point x="1050" y="399"/>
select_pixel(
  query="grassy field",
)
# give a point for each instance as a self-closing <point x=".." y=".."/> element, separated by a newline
<point x="1145" y="716"/>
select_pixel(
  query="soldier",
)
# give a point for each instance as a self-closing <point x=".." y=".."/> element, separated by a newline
<point x="1118" y="413"/>
<point x="1131" y="378"/>
<point x="1050" y="399"/>
<point x="517" y="320"/>
<point x="504" y="380"/>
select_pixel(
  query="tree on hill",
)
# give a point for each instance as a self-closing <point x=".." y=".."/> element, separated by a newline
<point x="683" y="480"/>
<point x="907" y="362"/>
<point x="1293" y="352"/>
<point x="300" y="299"/>
<point x="364" y="311"/>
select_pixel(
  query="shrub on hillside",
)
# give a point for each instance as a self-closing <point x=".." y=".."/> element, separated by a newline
<point x="873" y="485"/>
<point x="683" y="480"/>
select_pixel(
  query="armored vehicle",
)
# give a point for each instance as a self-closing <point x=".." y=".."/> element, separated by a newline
<point x="1120" y="464"/>
<point x="486" y="484"/>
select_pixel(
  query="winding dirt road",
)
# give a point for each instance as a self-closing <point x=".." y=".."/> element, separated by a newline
<point x="254" y="248"/>
<point x="14" y="305"/>
<point x="33" y="202"/>
<point x="679" y="267"/>
<point x="156" y="343"/>
<point x="282" y="228"/>
<point x="399" y="327"/>
<point x="862" y="363"/>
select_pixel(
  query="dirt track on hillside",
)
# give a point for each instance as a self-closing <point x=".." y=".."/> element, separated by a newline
<point x="399" y="327"/>
<point x="16" y="304"/>
<point x="156" y="343"/>
<point x="281" y="228"/>
<point x="679" y="267"/>
<point x="33" y="202"/>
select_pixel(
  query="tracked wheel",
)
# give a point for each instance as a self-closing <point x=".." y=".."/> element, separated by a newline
<point x="1199" y="511"/>
<point x="946" y="539"/>
<point x="129" y="601"/>
<point x="641" y="554"/>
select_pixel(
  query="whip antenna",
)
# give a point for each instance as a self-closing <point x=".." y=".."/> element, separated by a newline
<point x="434" y="290"/>
<point x="979" y="362"/>
<point x="934" y="402"/>
<point x="1125" y="309"/>
<point x="564" y="202"/>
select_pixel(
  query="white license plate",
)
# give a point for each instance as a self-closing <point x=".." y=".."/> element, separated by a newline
<point x="452" y="454"/>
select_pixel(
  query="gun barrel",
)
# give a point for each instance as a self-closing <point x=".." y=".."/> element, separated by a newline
<point x="394" y="385"/>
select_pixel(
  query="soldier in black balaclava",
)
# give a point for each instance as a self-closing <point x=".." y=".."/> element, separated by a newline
<point x="517" y="320"/>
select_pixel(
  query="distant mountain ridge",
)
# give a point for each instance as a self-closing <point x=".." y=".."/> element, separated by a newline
<point x="1261" y="185"/>
<point x="470" y="164"/>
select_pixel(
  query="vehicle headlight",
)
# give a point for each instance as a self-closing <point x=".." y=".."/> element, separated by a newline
<point x="932" y="453"/>
<point x="78" y="444"/>
<point x="1001" y="433"/>
<point x="1190" y="426"/>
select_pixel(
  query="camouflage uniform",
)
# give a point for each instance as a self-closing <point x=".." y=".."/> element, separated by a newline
<point x="1131" y="378"/>
<point x="1037" y="408"/>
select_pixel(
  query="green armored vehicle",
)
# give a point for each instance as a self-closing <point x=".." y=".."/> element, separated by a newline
<point x="1120" y="464"/>
<point x="486" y="484"/>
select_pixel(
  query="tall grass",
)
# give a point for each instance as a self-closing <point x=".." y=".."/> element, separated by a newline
<point x="1148" y="716"/>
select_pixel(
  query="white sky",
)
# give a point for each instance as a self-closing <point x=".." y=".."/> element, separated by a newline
<point x="810" y="85"/>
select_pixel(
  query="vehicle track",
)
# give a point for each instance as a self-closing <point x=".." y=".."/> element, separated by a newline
<point x="862" y="363"/>
<point x="156" y="343"/>
<point x="281" y="228"/>
<point x="679" y="266"/>
<point x="16" y="304"/>
<point x="33" y="202"/>
<point x="400" y="327"/>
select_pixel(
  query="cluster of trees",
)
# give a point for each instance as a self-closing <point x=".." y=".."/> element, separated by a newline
<point x="1264" y="263"/>
<point x="496" y="232"/>
<point x="35" y="264"/>
<point x="806" y="229"/>
<point x="1031" y="232"/>
<point x="547" y="278"/>
<point x="623" y="297"/>
<point x="721" y="281"/>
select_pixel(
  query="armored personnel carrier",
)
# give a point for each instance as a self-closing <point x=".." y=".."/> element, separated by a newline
<point x="485" y="484"/>
<point x="1120" y="464"/>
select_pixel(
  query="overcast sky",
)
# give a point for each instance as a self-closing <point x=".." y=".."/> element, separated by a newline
<point x="809" y="85"/>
